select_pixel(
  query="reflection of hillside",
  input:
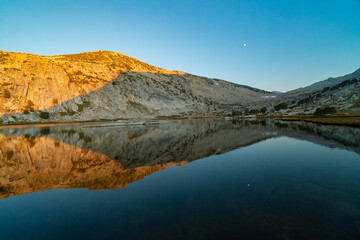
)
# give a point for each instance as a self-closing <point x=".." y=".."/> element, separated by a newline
<point x="84" y="156"/>
<point x="149" y="146"/>
<point x="37" y="164"/>
<point x="188" y="140"/>
<point x="330" y="136"/>
<point x="341" y="137"/>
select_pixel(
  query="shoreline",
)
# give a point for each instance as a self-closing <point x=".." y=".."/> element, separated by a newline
<point x="341" y="120"/>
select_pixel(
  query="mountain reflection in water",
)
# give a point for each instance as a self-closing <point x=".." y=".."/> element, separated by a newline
<point x="92" y="157"/>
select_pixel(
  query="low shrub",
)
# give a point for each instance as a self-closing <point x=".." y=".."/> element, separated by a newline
<point x="324" y="111"/>
<point x="281" y="106"/>
<point x="44" y="115"/>
<point x="235" y="113"/>
<point x="7" y="93"/>
<point x="29" y="106"/>
<point x="45" y="131"/>
<point x="254" y="111"/>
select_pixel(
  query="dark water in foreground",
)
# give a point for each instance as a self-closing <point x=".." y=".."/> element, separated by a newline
<point x="189" y="180"/>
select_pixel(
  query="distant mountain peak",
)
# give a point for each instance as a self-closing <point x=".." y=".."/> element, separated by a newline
<point x="329" y="82"/>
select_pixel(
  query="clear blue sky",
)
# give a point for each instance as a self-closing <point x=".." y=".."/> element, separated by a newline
<point x="290" y="43"/>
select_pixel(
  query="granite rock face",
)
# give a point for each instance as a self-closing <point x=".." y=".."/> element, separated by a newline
<point x="108" y="85"/>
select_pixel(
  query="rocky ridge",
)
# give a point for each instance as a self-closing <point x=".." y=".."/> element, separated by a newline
<point x="342" y="93"/>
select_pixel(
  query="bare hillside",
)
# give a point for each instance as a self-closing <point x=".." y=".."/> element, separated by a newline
<point x="109" y="85"/>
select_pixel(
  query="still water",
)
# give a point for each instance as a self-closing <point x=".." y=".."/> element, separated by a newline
<point x="201" y="179"/>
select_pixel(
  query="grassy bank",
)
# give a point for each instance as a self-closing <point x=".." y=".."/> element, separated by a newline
<point x="330" y="120"/>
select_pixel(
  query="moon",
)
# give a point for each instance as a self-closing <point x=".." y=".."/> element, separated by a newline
<point x="244" y="44"/>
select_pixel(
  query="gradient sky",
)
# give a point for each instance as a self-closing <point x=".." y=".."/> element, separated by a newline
<point x="289" y="44"/>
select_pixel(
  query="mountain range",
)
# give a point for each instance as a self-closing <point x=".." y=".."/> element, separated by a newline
<point x="109" y="85"/>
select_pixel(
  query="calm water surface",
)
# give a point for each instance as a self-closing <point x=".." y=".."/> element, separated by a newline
<point x="201" y="179"/>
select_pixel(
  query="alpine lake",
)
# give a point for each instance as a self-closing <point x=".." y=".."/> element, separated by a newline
<point x="180" y="179"/>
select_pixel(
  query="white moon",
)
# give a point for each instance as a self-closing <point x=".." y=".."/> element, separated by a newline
<point x="244" y="44"/>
